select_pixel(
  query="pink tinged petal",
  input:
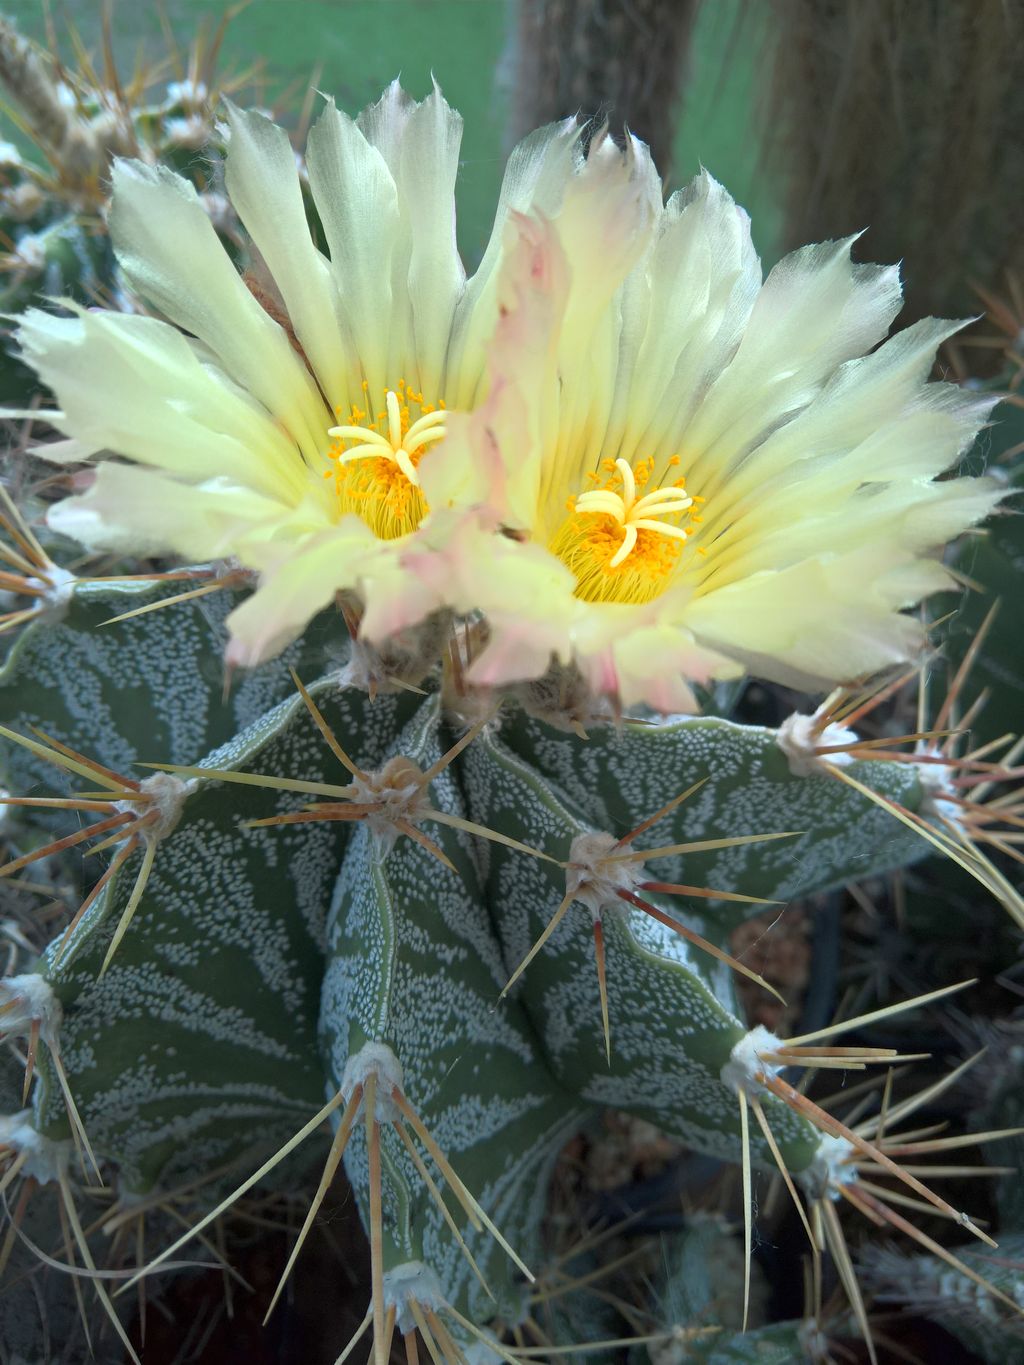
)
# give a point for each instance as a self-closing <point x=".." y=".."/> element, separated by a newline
<point x="656" y="664"/>
<point x="263" y="182"/>
<point x="170" y="252"/>
<point x="302" y="582"/>
<point x="516" y="651"/>
<point x="537" y="173"/>
<point x="134" y="385"/>
<point x="645" y="653"/>
<point x="395" y="596"/>
<point x="525" y="592"/>
<point x="493" y="457"/>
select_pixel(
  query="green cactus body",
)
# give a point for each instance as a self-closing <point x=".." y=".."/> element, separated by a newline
<point x="266" y="968"/>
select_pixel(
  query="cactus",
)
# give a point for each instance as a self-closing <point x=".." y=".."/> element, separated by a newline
<point x="986" y="1327"/>
<point x="358" y="887"/>
<point x="53" y="204"/>
<point x="316" y="896"/>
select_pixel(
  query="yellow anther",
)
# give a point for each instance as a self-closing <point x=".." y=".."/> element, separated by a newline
<point x="376" y="461"/>
<point x="635" y="513"/>
<point x="622" y="539"/>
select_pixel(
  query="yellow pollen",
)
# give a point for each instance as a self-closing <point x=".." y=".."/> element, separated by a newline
<point x="375" y="462"/>
<point x="621" y="543"/>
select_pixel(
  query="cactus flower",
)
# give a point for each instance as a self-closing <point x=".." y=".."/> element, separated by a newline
<point x="280" y="419"/>
<point x="721" y="474"/>
<point x="615" y="441"/>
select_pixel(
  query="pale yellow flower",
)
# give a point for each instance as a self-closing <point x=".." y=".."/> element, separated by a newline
<point x="698" y="473"/>
<point x="614" y="441"/>
<point x="286" y="431"/>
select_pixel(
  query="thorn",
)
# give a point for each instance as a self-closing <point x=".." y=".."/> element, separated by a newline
<point x="748" y="1202"/>
<point x="334" y="1156"/>
<point x="83" y="1246"/>
<point x="865" y="1201"/>
<point x="801" y="1104"/>
<point x="873" y="1016"/>
<point x="203" y="591"/>
<point x="133" y="902"/>
<point x="30" y="1060"/>
<point x="844" y="1265"/>
<point x="310" y="1127"/>
<point x="773" y="1147"/>
<point x="700" y="846"/>
<point x="602" y="986"/>
<point x="660" y="814"/>
<point x="355" y="1338"/>
<point x="376" y="1217"/>
<point x="552" y="925"/>
<point x="702" y="943"/>
<point x="470" y="1204"/>
<point x="325" y="730"/>
<point x="438" y="1199"/>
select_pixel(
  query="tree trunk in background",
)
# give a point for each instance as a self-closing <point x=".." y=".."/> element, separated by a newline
<point x="905" y="117"/>
<point x="617" y="59"/>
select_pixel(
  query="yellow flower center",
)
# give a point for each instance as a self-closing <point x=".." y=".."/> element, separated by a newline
<point x="621" y="543"/>
<point x="375" y="459"/>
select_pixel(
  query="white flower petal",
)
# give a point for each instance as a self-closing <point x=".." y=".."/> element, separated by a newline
<point x="426" y="197"/>
<point x="170" y="252"/>
<point x="139" y="511"/>
<point x="357" y="201"/>
<point x="823" y="620"/>
<point x="815" y="310"/>
<point x="303" y="582"/>
<point x="133" y="385"/>
<point x="684" y="313"/>
<point x="263" y="183"/>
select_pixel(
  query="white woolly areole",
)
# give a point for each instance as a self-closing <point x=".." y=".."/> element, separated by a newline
<point x="45" y="1160"/>
<point x="57" y="588"/>
<point x="937" y="790"/>
<point x="829" y="1169"/>
<point x="745" y="1065"/>
<point x="375" y="1059"/>
<point x="365" y="672"/>
<point x="30" y="999"/>
<point x="167" y="794"/>
<point x="595" y="879"/>
<point x="814" y="1341"/>
<point x="799" y="738"/>
<point x="411" y="1282"/>
<point x="398" y="787"/>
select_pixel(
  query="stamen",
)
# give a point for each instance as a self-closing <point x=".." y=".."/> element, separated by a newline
<point x="631" y="512"/>
<point x="385" y="489"/>
<point x="621" y="542"/>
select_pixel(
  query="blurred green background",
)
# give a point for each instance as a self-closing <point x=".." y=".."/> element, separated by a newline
<point x="353" y="48"/>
